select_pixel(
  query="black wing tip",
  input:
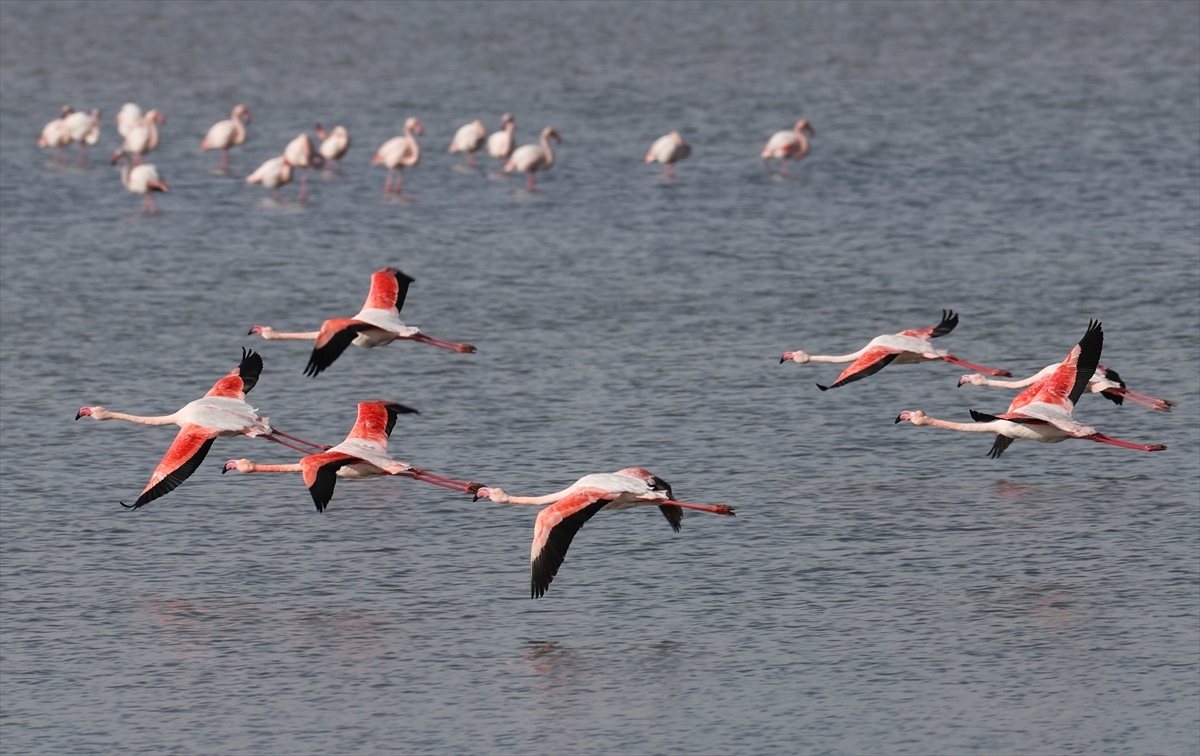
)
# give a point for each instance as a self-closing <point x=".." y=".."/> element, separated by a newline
<point x="823" y="388"/>
<point x="998" y="446"/>
<point x="401" y="277"/>
<point x="249" y="369"/>
<point x="980" y="417"/>
<point x="394" y="410"/>
<point x="948" y="324"/>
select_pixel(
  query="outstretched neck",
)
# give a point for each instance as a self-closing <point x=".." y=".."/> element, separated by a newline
<point x="270" y="334"/>
<point x="995" y="426"/>
<point x="837" y="357"/>
<point x="504" y="498"/>
<point x="159" y="420"/>
<point x="255" y="467"/>
<point x="1009" y="384"/>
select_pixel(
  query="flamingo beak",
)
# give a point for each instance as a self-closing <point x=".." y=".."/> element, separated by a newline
<point x="786" y="356"/>
<point x="483" y="492"/>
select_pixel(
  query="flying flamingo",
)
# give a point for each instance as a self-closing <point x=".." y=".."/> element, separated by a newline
<point x="500" y="144"/>
<point x="668" y="150"/>
<point x="531" y="158"/>
<point x="128" y="119"/>
<point x="787" y="145"/>
<point x="272" y="174"/>
<point x="400" y="152"/>
<point x="362" y="455"/>
<point x="904" y="348"/>
<point x="333" y="144"/>
<point x="469" y="139"/>
<point x="143" y="137"/>
<point x="300" y="154"/>
<point x="55" y="134"/>
<point x="1042" y="412"/>
<point x="571" y="507"/>
<point x="377" y="324"/>
<point x="222" y="412"/>
<point x="142" y="179"/>
<point x="1105" y="382"/>
<point x="226" y="134"/>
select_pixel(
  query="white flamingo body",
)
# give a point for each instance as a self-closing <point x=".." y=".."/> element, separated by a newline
<point x="143" y="138"/>
<point x="334" y="144"/>
<point x="787" y="145"/>
<point x="128" y="119"/>
<point x="500" y="144"/>
<point x="301" y="153"/>
<point x="469" y="139"/>
<point x="668" y="150"/>
<point x="532" y="158"/>
<point x="84" y="127"/>
<point x="140" y="179"/>
<point x="55" y="134"/>
<point x="272" y="174"/>
<point x="228" y="133"/>
<point x="399" y="153"/>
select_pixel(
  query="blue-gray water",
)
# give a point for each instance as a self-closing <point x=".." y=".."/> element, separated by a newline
<point x="884" y="588"/>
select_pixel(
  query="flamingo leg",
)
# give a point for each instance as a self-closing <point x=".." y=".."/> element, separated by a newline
<point x="767" y="165"/>
<point x="783" y="167"/>
<point x="1123" y="444"/>
<point x="399" y="182"/>
<point x="1132" y="394"/>
<point x="1157" y="404"/>
<point x="470" y="159"/>
<point x="387" y="185"/>
<point x="529" y="182"/>
<point x="303" y="184"/>
<point x="424" y="477"/>
<point x="305" y="452"/>
<point x="82" y="158"/>
<point x="990" y="371"/>
<point x="453" y="346"/>
<point x="720" y="509"/>
<point x="277" y="197"/>
<point x="137" y="159"/>
<point x="278" y="432"/>
<point x="669" y="170"/>
<point x="224" y="160"/>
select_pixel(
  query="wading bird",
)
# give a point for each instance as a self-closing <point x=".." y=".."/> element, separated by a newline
<point x="1042" y="412"/>
<point x="222" y="412"/>
<point x="787" y="145"/>
<point x="301" y="153"/>
<point x="272" y="174"/>
<point x="143" y="137"/>
<point x="377" y="324"/>
<point x="1105" y="382"/>
<point x="226" y="134"/>
<point x="71" y="127"/>
<point x="571" y="507"/>
<point x="904" y="348"/>
<point x="500" y="144"/>
<point x="333" y="144"/>
<point x="469" y="139"/>
<point x="362" y="455"/>
<point x="399" y="153"/>
<point x="668" y="150"/>
<point x="56" y="135"/>
<point x="142" y="179"/>
<point x="128" y="119"/>
<point x="532" y="158"/>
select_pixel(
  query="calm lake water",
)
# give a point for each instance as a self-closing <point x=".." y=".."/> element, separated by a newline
<point x="884" y="588"/>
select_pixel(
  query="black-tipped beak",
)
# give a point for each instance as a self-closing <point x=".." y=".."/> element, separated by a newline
<point x="782" y="360"/>
<point x="78" y="415"/>
<point x="250" y="332"/>
<point x="897" y="420"/>
<point x="224" y="470"/>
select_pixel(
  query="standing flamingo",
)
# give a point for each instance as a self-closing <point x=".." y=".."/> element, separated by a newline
<point x="226" y="134"/>
<point x="377" y="324"/>
<point x="142" y="179"/>
<point x="500" y="144"/>
<point x="272" y="174"/>
<point x="571" y="507"/>
<point x="399" y="153"/>
<point x="222" y="412"/>
<point x="531" y="158"/>
<point x="787" y="145"/>
<point x="904" y="348"/>
<point x="83" y="128"/>
<point x="128" y="119"/>
<point x="1105" y="382"/>
<point x="469" y="139"/>
<point x="668" y="150"/>
<point x="1042" y="412"/>
<point x="143" y="138"/>
<point x="300" y="153"/>
<point x="333" y="144"/>
<point x="362" y="455"/>
<point x="55" y="134"/>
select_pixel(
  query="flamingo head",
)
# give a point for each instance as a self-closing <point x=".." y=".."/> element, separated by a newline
<point x="797" y="356"/>
<point x="239" y="111"/>
<point x="498" y="495"/>
<point x="414" y="125"/>
<point x="506" y="119"/>
<point x="98" y="413"/>
<point x="264" y="331"/>
<point x="551" y="134"/>
<point x="241" y="465"/>
<point x="974" y="379"/>
<point x="916" y="417"/>
<point x="157" y="116"/>
<point x="805" y="126"/>
<point x="116" y="157"/>
<point x="66" y="111"/>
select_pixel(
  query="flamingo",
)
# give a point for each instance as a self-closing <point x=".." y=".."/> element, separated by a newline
<point x="377" y="324"/>
<point x="272" y="174"/>
<point x="400" y="152"/>
<point x="128" y="119"/>
<point x="143" y="137"/>
<point x="787" y="145"/>
<point x="301" y="154"/>
<point x="225" y="134"/>
<point x="333" y="144"/>
<point x="500" y="144"/>
<point x="1042" y="412"/>
<point x="362" y="455"/>
<point x="222" y="412"/>
<point x="142" y="179"/>
<point x="571" y="507"/>
<point x="469" y="139"/>
<point x="83" y="128"/>
<point x="668" y="150"/>
<point x="55" y="134"/>
<point x="904" y="348"/>
<point x="531" y="158"/>
<point x="1105" y="382"/>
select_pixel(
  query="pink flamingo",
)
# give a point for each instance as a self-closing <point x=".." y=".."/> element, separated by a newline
<point x="377" y="324"/>
<point x="362" y="455"/>
<point x="272" y="174"/>
<point x="55" y="134"/>
<point x="500" y="144"/>
<point x="1105" y="382"/>
<point x="1042" y="412"/>
<point x="226" y="134"/>
<point x="399" y="153"/>
<point x="222" y="412"/>
<point x="469" y="139"/>
<point x="334" y="144"/>
<point x="142" y="179"/>
<point x="143" y="138"/>
<point x="668" y="150"/>
<point x="787" y="145"/>
<point x="904" y="348"/>
<point x="128" y="119"/>
<point x="571" y="507"/>
<point x="532" y="158"/>
<point x="301" y="153"/>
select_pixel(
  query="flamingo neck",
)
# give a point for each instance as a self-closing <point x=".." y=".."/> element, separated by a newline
<point x="139" y="419"/>
<point x="1009" y="384"/>
<point x="504" y="498"/>
<point x="273" y="335"/>
<point x="255" y="467"/>
<point x="803" y="141"/>
<point x="995" y="426"/>
<point x="549" y="152"/>
<point x="837" y="357"/>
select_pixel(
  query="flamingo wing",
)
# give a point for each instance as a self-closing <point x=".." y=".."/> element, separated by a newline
<point x="335" y="335"/>
<point x="1069" y="380"/>
<point x="320" y="475"/>
<point x="241" y="379"/>
<point x="389" y="287"/>
<point x="949" y="321"/>
<point x="998" y="446"/>
<point x="185" y="455"/>
<point x="673" y="513"/>
<point x="556" y="526"/>
<point x="376" y="420"/>
<point x="872" y="361"/>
